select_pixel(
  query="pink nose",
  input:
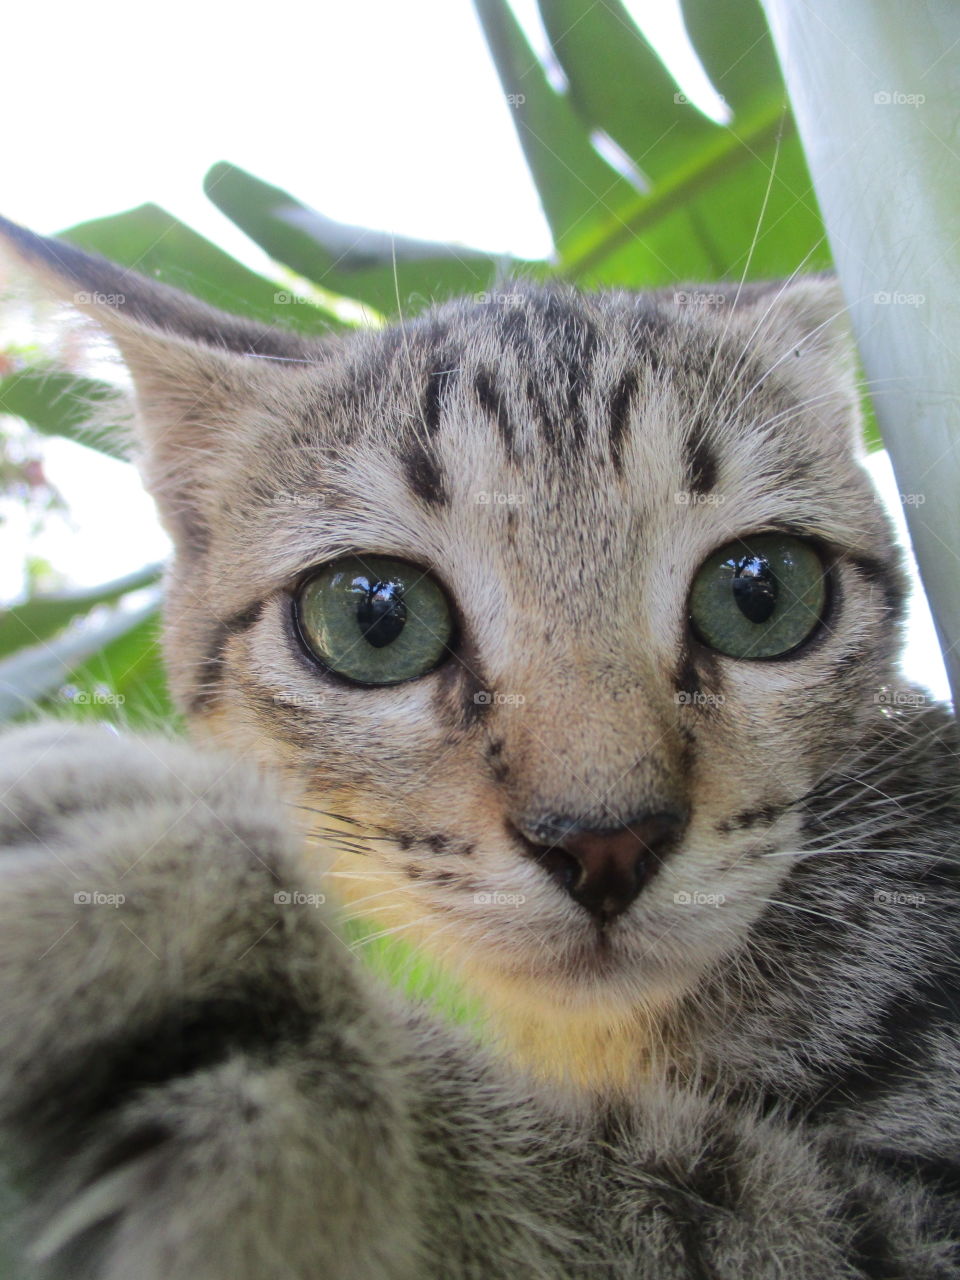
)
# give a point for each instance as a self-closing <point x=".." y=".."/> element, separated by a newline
<point x="604" y="870"/>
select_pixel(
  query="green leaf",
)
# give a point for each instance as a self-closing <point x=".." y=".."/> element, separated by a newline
<point x="123" y="682"/>
<point x="59" y="404"/>
<point x="34" y="673"/>
<point x="153" y="242"/>
<point x="35" y="620"/>
<point x="618" y="83"/>
<point x="871" y="429"/>
<point x="725" y="202"/>
<point x="745" y="206"/>
<point x="371" y="266"/>
<point x="577" y="188"/>
<point x="733" y="43"/>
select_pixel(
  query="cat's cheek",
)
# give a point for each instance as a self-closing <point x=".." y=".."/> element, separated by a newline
<point x="779" y="728"/>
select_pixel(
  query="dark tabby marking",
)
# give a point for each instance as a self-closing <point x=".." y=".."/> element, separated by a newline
<point x="889" y="580"/>
<point x="621" y="403"/>
<point x="747" y="819"/>
<point x="212" y="663"/>
<point x="494" y="405"/>
<point x="438" y="386"/>
<point x="701" y="463"/>
<point x="424" y="473"/>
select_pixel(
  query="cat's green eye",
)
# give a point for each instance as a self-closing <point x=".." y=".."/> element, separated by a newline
<point x="759" y="598"/>
<point x="374" y="619"/>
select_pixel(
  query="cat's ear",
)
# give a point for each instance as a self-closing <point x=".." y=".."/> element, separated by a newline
<point x="805" y="310"/>
<point x="195" y="369"/>
<point x="806" y="317"/>
<point x="801" y="331"/>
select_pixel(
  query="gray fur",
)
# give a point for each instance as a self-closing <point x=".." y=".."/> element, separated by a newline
<point x="753" y="1072"/>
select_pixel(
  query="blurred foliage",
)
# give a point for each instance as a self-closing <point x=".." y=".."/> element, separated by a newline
<point x="22" y="480"/>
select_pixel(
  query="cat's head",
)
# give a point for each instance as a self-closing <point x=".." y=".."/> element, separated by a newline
<point x="553" y="606"/>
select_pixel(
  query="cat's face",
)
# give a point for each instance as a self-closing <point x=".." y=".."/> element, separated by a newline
<point x="552" y="472"/>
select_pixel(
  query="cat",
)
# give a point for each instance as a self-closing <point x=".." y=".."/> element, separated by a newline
<point x="557" y="631"/>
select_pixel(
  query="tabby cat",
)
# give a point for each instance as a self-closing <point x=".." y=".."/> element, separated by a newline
<point x="556" y="632"/>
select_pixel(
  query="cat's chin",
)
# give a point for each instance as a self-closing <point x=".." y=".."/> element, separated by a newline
<point x="591" y="1021"/>
<point x="601" y="966"/>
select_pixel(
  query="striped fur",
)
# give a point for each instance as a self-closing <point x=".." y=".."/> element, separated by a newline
<point x="752" y="1072"/>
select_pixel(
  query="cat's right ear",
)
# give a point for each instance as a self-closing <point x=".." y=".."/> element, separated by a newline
<point x="194" y="369"/>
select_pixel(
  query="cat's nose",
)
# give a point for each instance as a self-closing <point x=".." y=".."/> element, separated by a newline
<point x="603" y="869"/>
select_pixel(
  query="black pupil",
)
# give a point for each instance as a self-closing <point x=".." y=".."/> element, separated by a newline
<point x="381" y="613"/>
<point x="755" y="588"/>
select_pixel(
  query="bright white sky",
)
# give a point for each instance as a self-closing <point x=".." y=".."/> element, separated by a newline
<point x="377" y="113"/>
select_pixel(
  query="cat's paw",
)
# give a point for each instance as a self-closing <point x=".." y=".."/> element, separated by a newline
<point x="136" y="875"/>
<point x="184" y="1033"/>
<point x="98" y="830"/>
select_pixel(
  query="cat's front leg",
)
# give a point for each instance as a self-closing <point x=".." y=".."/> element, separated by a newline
<point x="699" y="1185"/>
<point x="196" y="1079"/>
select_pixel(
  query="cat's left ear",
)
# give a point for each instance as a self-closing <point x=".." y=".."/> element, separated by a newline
<point x="804" y="316"/>
<point x="800" y="331"/>
<point x="807" y="311"/>
<point x="194" y="368"/>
